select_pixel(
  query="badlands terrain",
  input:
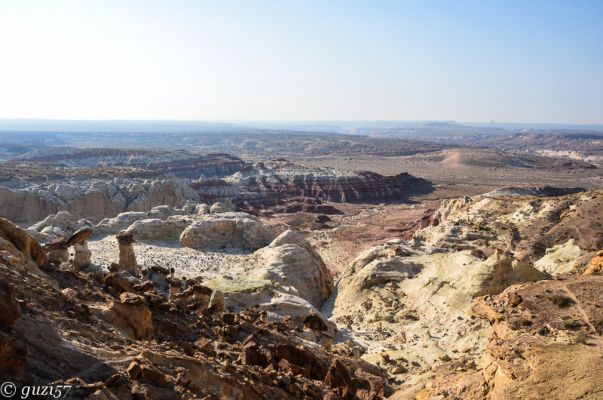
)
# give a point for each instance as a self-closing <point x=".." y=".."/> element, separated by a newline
<point x="265" y="264"/>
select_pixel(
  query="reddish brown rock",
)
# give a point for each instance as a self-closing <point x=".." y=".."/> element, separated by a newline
<point x="132" y="315"/>
<point x="595" y="266"/>
<point x="339" y="377"/>
<point x="9" y="306"/>
<point x="21" y="246"/>
<point x="12" y="356"/>
<point x="58" y="251"/>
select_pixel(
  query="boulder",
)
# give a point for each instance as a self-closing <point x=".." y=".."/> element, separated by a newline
<point x="201" y="209"/>
<point x="79" y="237"/>
<point x="157" y="229"/>
<point x="61" y="224"/>
<point x="228" y="230"/>
<point x="119" y="223"/>
<point x="130" y="315"/>
<point x="291" y="262"/>
<point x="218" y="208"/>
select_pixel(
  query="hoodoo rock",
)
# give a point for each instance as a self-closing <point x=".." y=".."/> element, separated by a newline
<point x="82" y="255"/>
<point x="127" y="258"/>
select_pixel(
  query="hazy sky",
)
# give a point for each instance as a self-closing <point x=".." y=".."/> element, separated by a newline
<point x="527" y="61"/>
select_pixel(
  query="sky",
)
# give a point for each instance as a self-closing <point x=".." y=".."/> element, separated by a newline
<point x="284" y="60"/>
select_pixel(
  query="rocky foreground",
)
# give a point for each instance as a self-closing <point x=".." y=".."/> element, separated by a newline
<point x="495" y="297"/>
<point x="145" y="334"/>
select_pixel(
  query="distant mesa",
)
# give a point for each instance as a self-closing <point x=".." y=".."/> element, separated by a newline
<point x="174" y="163"/>
<point x="289" y="187"/>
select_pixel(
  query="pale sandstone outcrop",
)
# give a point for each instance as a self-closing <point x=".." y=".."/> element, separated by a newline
<point x="93" y="200"/>
<point x="415" y="305"/>
<point x="157" y="229"/>
<point x="201" y="209"/>
<point x="561" y="259"/>
<point x="119" y="223"/>
<point x="524" y="225"/>
<point x="226" y="230"/>
<point x="285" y="278"/>
<point x="60" y="224"/>
<point x="290" y="261"/>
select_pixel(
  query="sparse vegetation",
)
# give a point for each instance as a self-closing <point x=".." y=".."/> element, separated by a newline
<point x="560" y="300"/>
<point x="581" y="337"/>
<point x="571" y="323"/>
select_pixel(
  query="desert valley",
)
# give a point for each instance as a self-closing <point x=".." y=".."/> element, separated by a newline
<point x="439" y="261"/>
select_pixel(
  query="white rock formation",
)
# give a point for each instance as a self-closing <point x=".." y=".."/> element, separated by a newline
<point x="94" y="199"/>
<point x="156" y="229"/>
<point x="291" y="262"/>
<point x="561" y="259"/>
<point x="415" y="304"/>
<point x="226" y="230"/>
<point x="218" y="208"/>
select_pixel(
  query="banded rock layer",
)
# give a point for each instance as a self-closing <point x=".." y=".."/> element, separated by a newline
<point x="276" y="182"/>
<point x="173" y="163"/>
